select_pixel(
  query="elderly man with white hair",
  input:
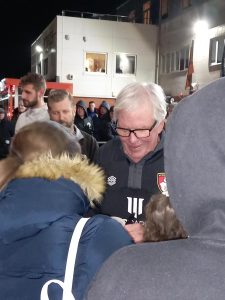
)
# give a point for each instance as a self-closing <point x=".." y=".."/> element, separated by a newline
<point x="133" y="162"/>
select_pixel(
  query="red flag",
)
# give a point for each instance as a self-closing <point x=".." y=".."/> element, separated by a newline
<point x="190" y="70"/>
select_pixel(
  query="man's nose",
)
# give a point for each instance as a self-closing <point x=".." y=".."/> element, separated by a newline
<point x="61" y="116"/>
<point x="132" y="137"/>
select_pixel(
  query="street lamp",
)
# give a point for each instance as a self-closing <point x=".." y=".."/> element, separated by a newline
<point x="200" y="27"/>
<point x="39" y="49"/>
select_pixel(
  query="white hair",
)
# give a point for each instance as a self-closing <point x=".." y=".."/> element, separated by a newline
<point x="136" y="94"/>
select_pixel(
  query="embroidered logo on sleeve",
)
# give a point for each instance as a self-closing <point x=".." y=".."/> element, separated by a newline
<point x="111" y="180"/>
<point x="161" y="182"/>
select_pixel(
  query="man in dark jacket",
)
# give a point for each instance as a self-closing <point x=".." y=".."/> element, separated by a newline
<point x="6" y="133"/>
<point x="62" y="109"/>
<point x="133" y="162"/>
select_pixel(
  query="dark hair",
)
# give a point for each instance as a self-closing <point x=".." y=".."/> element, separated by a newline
<point x="161" y="221"/>
<point x="37" y="80"/>
<point x="58" y="96"/>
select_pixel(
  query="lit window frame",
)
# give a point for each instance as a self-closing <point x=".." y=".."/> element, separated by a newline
<point x="98" y="66"/>
<point x="121" y="69"/>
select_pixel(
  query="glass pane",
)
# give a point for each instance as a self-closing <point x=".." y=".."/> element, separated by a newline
<point x="95" y="62"/>
<point x="172" y="61"/>
<point x="177" y="60"/>
<point x="220" y="49"/>
<point x="186" y="57"/>
<point x="182" y="58"/>
<point x="167" y="63"/>
<point x="213" y="51"/>
<point x="125" y="63"/>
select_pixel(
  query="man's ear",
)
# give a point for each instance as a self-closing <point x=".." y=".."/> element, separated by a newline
<point x="41" y="93"/>
<point x="160" y="126"/>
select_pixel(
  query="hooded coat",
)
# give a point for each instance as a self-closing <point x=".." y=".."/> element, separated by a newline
<point x="39" y="209"/>
<point x="192" y="268"/>
<point x="85" y="124"/>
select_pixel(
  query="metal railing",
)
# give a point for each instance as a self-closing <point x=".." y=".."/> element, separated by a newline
<point x="89" y="15"/>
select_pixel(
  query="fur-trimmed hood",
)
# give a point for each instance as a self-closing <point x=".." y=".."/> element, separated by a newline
<point x="88" y="176"/>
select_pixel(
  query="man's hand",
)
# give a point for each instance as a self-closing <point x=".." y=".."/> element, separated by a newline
<point x="136" y="231"/>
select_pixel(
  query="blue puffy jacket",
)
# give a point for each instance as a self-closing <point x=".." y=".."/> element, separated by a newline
<point x="38" y="212"/>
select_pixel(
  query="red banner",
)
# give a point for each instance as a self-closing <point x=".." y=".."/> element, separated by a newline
<point x="190" y="70"/>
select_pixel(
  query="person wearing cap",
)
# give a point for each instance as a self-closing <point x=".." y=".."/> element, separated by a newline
<point x="33" y="88"/>
<point x="6" y="133"/>
<point x="189" y="268"/>
<point x="133" y="161"/>
<point x="82" y="120"/>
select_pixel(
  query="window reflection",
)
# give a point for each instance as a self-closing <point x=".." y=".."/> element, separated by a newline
<point x="125" y="64"/>
<point x="95" y="62"/>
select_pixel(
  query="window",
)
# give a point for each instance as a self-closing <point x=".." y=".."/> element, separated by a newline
<point x="125" y="64"/>
<point x="172" y="62"/>
<point x="185" y="3"/>
<point x="147" y="12"/>
<point x="168" y="63"/>
<point x="95" y="62"/>
<point x="163" y="64"/>
<point x="45" y="66"/>
<point x="175" y="61"/>
<point x="216" y="50"/>
<point x="39" y="68"/>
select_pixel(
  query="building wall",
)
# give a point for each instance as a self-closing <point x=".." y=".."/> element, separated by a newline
<point x="177" y="31"/>
<point x="76" y="36"/>
<point x="72" y="37"/>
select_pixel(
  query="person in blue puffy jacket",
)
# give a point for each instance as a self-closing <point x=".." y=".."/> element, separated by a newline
<point x="46" y="187"/>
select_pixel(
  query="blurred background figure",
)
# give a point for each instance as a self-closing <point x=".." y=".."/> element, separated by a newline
<point x="82" y="120"/>
<point x="102" y="131"/>
<point x="92" y="110"/>
<point x="6" y="133"/>
<point x="18" y="110"/>
<point x="112" y="122"/>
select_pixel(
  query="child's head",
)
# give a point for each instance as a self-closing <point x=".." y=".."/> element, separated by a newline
<point x="161" y="221"/>
<point x="34" y="140"/>
<point x="39" y="138"/>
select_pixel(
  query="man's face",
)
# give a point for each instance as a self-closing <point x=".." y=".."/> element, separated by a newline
<point x="92" y="107"/>
<point x="141" y="118"/>
<point x="29" y="96"/>
<point x="21" y="107"/>
<point x="81" y="112"/>
<point x="62" y="112"/>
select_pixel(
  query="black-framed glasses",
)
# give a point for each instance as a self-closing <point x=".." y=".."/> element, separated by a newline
<point x="139" y="133"/>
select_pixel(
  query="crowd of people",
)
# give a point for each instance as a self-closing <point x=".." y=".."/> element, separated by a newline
<point x="152" y="192"/>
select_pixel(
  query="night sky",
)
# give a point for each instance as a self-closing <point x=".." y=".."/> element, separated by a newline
<point x="23" y="21"/>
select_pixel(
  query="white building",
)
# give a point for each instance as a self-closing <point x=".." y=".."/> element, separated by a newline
<point x="99" y="57"/>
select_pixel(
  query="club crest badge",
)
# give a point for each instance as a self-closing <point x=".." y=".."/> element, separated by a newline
<point x="161" y="182"/>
